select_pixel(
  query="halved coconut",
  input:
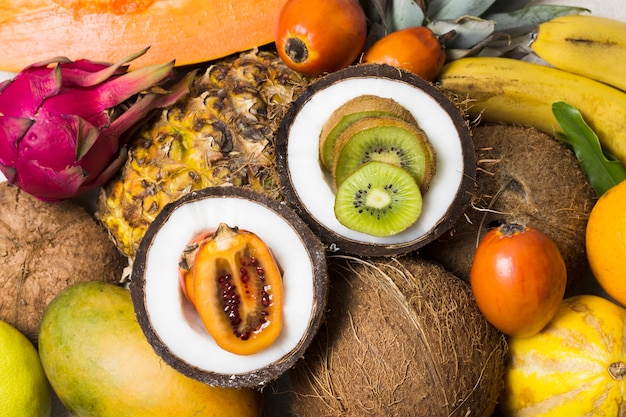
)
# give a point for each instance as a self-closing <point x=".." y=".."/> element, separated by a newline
<point x="309" y="189"/>
<point x="173" y="326"/>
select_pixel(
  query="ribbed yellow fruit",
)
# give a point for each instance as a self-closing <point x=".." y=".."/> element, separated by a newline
<point x="511" y="91"/>
<point x="592" y="46"/>
<point x="576" y="366"/>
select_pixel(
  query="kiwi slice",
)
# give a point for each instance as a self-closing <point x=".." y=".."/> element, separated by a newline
<point x="379" y="199"/>
<point x="385" y="139"/>
<point x="357" y="108"/>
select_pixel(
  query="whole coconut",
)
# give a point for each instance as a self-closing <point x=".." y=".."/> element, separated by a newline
<point x="523" y="176"/>
<point x="45" y="247"/>
<point x="403" y="337"/>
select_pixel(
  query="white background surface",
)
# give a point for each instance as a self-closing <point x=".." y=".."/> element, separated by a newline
<point x="615" y="9"/>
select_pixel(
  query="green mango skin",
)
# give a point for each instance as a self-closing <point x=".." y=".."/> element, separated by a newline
<point x="100" y="364"/>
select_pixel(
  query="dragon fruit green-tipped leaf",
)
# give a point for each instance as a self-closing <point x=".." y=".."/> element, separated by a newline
<point x="63" y="123"/>
<point x="11" y="129"/>
<point x="22" y="96"/>
<point x="92" y="102"/>
<point x="46" y="183"/>
<point x="140" y="109"/>
<point x="58" y="141"/>
<point x="87" y="73"/>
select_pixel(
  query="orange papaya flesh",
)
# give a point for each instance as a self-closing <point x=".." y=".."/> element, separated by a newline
<point x="186" y="31"/>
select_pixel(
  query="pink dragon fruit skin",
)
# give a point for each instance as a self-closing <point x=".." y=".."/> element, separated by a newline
<point x="62" y="122"/>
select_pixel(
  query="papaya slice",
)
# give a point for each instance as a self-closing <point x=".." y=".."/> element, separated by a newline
<point x="187" y="31"/>
<point x="235" y="285"/>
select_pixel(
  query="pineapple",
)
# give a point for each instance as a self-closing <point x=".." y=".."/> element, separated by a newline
<point x="221" y="134"/>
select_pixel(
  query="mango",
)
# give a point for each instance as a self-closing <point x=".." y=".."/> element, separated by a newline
<point x="100" y="364"/>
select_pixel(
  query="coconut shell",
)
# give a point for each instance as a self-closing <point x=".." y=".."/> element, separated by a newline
<point x="45" y="247"/>
<point x="523" y="176"/>
<point x="403" y="337"/>
<point x="299" y="170"/>
<point x="258" y="213"/>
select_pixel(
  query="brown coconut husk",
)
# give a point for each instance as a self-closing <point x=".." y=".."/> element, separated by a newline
<point x="403" y="337"/>
<point x="523" y="176"/>
<point x="44" y="248"/>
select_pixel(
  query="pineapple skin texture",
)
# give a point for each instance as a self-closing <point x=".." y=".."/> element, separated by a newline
<point x="221" y="134"/>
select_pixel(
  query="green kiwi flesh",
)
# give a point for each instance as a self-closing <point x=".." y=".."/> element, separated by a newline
<point x="385" y="139"/>
<point x="378" y="199"/>
<point x="351" y="111"/>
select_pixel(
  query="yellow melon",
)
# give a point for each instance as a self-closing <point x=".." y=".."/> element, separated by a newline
<point x="576" y="366"/>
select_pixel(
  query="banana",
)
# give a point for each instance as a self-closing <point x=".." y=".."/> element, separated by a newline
<point x="511" y="91"/>
<point x="587" y="45"/>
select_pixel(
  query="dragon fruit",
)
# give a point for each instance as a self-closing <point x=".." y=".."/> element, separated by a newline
<point x="63" y="123"/>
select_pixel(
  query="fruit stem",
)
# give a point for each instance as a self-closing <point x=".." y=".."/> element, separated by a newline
<point x="296" y="50"/>
<point x="446" y="37"/>
<point x="510" y="229"/>
<point x="617" y="370"/>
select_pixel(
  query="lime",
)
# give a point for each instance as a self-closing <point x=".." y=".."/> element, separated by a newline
<point x="24" y="388"/>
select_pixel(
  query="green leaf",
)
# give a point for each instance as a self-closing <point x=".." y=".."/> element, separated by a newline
<point x="524" y="20"/>
<point x="453" y="9"/>
<point x="470" y="30"/>
<point x="601" y="172"/>
<point x="403" y="14"/>
<point x="507" y="5"/>
<point x="482" y="48"/>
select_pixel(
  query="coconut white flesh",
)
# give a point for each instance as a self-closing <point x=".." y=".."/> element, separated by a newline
<point x="175" y="320"/>
<point x="313" y="184"/>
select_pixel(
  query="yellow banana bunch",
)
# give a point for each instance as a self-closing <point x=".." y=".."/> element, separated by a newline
<point x="517" y="92"/>
<point x="587" y="45"/>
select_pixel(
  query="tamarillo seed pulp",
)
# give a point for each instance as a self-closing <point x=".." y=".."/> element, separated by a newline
<point x="235" y="285"/>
